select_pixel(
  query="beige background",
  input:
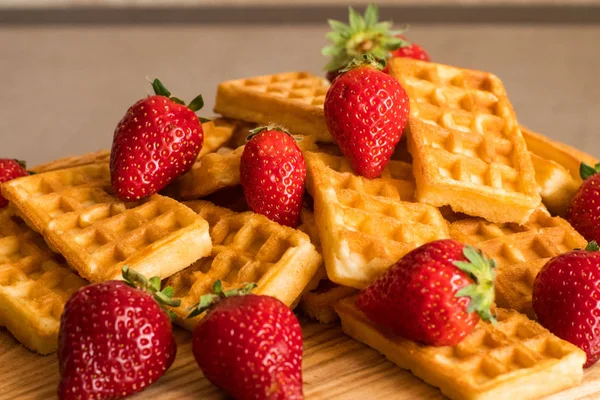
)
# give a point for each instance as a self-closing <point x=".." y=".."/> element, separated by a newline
<point x="64" y="88"/>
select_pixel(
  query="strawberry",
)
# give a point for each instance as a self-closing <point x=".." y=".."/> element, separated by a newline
<point x="366" y="112"/>
<point x="584" y="212"/>
<point x="273" y="175"/>
<point x="565" y="299"/>
<point x="249" y="345"/>
<point x="366" y="35"/>
<point x="157" y="140"/>
<point x="10" y="169"/>
<point x="115" y="339"/>
<point x="435" y="294"/>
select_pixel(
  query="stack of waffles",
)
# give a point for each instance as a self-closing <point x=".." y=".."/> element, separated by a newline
<point x="465" y="169"/>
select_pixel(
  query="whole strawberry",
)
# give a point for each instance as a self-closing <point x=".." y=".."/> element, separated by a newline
<point x="565" y="299"/>
<point x="115" y="339"/>
<point x="584" y="212"/>
<point x="10" y="169"/>
<point x="410" y="50"/>
<point x="273" y="175"/>
<point x="435" y="294"/>
<point x="249" y="345"/>
<point x="157" y="140"/>
<point x="366" y="112"/>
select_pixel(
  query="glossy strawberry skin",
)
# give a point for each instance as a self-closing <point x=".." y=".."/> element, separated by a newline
<point x="10" y="169"/>
<point x="251" y="346"/>
<point x="565" y="300"/>
<point x="413" y="50"/>
<point x="156" y="141"/>
<point x="584" y="212"/>
<point x="416" y="297"/>
<point x="114" y="341"/>
<point x="273" y="176"/>
<point x="366" y="112"/>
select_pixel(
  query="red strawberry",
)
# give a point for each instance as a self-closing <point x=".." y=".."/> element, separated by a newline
<point x="435" y="294"/>
<point x="366" y="112"/>
<point x="410" y="50"/>
<point x="584" y="212"/>
<point x="273" y="174"/>
<point x="115" y="339"/>
<point x="156" y="141"/>
<point x="10" y="169"/>
<point x="565" y="299"/>
<point x="249" y="345"/>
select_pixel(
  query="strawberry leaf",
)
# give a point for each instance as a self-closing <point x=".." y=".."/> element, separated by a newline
<point x="204" y="120"/>
<point x="371" y="15"/>
<point x="208" y="300"/>
<point x="592" y="246"/>
<point x="197" y="103"/>
<point x="160" y="89"/>
<point x="586" y="171"/>
<point x="152" y="287"/>
<point x="177" y="100"/>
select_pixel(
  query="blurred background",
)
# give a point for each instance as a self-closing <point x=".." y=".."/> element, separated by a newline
<point x="71" y="68"/>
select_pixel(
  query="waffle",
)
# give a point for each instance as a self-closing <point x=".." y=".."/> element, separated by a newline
<point x="293" y="100"/>
<point x="247" y="247"/>
<point x="519" y="251"/>
<point x="216" y="133"/>
<point x="468" y="151"/>
<point x="555" y="184"/>
<point x="97" y="234"/>
<point x="217" y="171"/>
<point x="34" y="286"/>
<point x="367" y="225"/>
<point x="516" y="359"/>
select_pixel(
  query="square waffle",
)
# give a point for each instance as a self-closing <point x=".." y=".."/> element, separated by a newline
<point x="219" y="170"/>
<point x="367" y="225"/>
<point x="98" y="234"/>
<point x="520" y="251"/>
<point x="34" y="286"/>
<point x="97" y="157"/>
<point x="247" y="247"/>
<point x="468" y="151"/>
<point x="293" y="100"/>
<point x="515" y="359"/>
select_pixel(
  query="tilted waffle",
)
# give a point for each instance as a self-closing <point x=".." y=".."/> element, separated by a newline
<point x="216" y="133"/>
<point x="468" y="151"/>
<point x="367" y="225"/>
<point x="515" y="359"/>
<point x="520" y="251"/>
<point x="97" y="234"/>
<point x="247" y="247"/>
<point x="217" y="171"/>
<point x="34" y="286"/>
<point x="293" y="100"/>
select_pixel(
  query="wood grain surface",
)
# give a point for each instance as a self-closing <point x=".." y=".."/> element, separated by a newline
<point x="335" y="367"/>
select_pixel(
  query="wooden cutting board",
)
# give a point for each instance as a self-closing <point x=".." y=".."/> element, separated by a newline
<point x="335" y="367"/>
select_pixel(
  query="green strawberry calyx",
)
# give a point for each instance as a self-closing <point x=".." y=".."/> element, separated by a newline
<point x="587" y="170"/>
<point x="159" y="89"/>
<point x="481" y="292"/>
<point x="266" y="128"/>
<point x="363" y="34"/>
<point x="366" y="60"/>
<point x="163" y="297"/>
<point x="208" y="300"/>
<point x="592" y="246"/>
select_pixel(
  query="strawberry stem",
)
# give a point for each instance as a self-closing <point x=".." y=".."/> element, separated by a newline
<point x="208" y="300"/>
<point x="163" y="297"/>
<point x="481" y="293"/>
<point x="585" y="171"/>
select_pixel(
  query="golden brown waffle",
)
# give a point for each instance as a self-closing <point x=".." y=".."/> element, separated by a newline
<point x="247" y="247"/>
<point x="293" y="100"/>
<point x="555" y="184"/>
<point x="217" y="171"/>
<point x="216" y="133"/>
<point x="34" y="286"/>
<point x="97" y="234"/>
<point x="468" y="151"/>
<point x="515" y="359"/>
<point x="519" y="251"/>
<point x="367" y="225"/>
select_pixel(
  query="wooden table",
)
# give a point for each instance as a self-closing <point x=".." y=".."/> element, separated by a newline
<point x="335" y="367"/>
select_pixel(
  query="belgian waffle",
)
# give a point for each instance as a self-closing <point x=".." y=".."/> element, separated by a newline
<point x="520" y="251"/>
<point x="97" y="234"/>
<point x="468" y="151"/>
<point x="216" y="133"/>
<point x="34" y="286"/>
<point x="247" y="247"/>
<point x="515" y="359"/>
<point x="219" y="170"/>
<point x="293" y="100"/>
<point x="367" y="225"/>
